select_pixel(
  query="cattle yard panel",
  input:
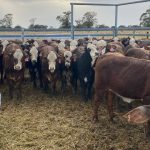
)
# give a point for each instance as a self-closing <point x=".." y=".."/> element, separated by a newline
<point x="107" y="33"/>
<point x="116" y="5"/>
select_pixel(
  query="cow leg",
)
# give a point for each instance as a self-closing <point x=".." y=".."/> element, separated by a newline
<point x="54" y="87"/>
<point x="89" y="92"/>
<point x="40" y="78"/>
<point x="97" y="97"/>
<point x="74" y="84"/>
<point x="63" y="85"/>
<point x="10" y="91"/>
<point x="2" y="73"/>
<point x="34" y="79"/>
<point x="110" y="105"/>
<point x="83" y="89"/>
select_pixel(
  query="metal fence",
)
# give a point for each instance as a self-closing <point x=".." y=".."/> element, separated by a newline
<point x="138" y="33"/>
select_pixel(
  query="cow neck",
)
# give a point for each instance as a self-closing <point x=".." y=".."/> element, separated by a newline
<point x="95" y="63"/>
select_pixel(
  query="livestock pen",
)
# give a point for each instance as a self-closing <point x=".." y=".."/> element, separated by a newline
<point x="107" y="33"/>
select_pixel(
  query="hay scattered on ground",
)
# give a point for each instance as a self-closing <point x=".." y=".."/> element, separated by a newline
<point x="43" y="122"/>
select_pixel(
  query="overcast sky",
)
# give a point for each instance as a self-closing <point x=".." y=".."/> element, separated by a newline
<point x="46" y="11"/>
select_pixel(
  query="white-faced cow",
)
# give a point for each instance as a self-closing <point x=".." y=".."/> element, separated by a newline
<point x="14" y="66"/>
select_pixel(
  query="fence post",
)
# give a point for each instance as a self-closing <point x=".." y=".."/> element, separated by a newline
<point x="22" y="34"/>
<point x="147" y="36"/>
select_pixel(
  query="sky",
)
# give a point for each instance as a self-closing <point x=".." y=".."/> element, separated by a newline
<point x="46" y="11"/>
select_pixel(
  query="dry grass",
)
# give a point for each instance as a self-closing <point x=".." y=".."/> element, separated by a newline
<point x="42" y="122"/>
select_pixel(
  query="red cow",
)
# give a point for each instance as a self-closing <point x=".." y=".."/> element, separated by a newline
<point x="125" y="76"/>
<point x="14" y="66"/>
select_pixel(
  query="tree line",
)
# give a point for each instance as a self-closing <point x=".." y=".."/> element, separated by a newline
<point x="88" y="20"/>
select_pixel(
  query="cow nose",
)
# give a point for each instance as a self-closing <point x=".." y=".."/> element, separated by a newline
<point x="34" y="62"/>
<point x="52" y="69"/>
<point x="17" y="68"/>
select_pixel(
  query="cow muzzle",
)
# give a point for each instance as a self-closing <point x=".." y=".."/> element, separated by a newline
<point x="67" y="64"/>
<point x="17" y="67"/>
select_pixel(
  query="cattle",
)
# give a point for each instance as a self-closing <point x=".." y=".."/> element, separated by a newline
<point x="3" y="46"/>
<point x="138" y="53"/>
<point x="139" y="115"/>
<point x="65" y="68"/>
<point x="85" y="70"/>
<point x="14" y="66"/>
<point x="115" y="47"/>
<point x="127" y="77"/>
<point x="49" y="67"/>
<point x="34" y="66"/>
<point x="1" y="62"/>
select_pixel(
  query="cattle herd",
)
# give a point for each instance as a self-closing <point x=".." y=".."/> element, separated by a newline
<point x="118" y="67"/>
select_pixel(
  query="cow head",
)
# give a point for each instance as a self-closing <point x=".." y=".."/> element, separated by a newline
<point x="18" y="55"/>
<point x="52" y="57"/>
<point x="33" y="54"/>
<point x="67" y="56"/>
<point x="93" y="52"/>
<point x="101" y="46"/>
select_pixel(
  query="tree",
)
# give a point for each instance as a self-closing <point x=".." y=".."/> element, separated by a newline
<point x="7" y="21"/>
<point x="18" y="27"/>
<point x="102" y="26"/>
<point x="64" y="20"/>
<point x="88" y="20"/>
<point x="145" y="19"/>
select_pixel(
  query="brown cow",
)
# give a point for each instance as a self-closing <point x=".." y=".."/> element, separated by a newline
<point x="49" y="67"/>
<point x="138" y="115"/>
<point x="125" y="76"/>
<point x="14" y="66"/>
<point x="138" y="53"/>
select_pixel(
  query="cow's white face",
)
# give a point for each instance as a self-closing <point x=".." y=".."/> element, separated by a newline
<point x="36" y="44"/>
<point x="18" y="56"/>
<point x="61" y="46"/>
<point x="73" y="45"/>
<point x="34" y="53"/>
<point x="52" y="61"/>
<point x="93" y="52"/>
<point x="67" y="56"/>
<point x="4" y="43"/>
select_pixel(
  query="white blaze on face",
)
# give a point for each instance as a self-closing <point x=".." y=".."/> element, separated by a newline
<point x="4" y="43"/>
<point x="93" y="52"/>
<point x="34" y="53"/>
<point x="116" y="39"/>
<point x="52" y="61"/>
<point x="36" y="44"/>
<point x="101" y="46"/>
<point x="73" y="45"/>
<point x="61" y="46"/>
<point x="18" y="56"/>
<point x="67" y="55"/>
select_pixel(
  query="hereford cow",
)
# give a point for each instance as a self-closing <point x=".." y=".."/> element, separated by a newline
<point x="138" y="115"/>
<point x="125" y="76"/>
<point x="49" y="67"/>
<point x="138" y="53"/>
<point x="14" y="66"/>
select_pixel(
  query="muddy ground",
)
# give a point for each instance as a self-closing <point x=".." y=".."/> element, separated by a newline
<point x="45" y="122"/>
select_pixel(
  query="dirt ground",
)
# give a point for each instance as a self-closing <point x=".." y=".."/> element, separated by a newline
<point x="44" y="122"/>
